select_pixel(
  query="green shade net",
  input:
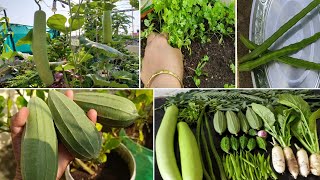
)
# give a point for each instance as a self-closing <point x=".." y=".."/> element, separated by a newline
<point x="143" y="157"/>
<point x="20" y="31"/>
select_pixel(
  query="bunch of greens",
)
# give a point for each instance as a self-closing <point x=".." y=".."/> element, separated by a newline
<point x="305" y="129"/>
<point x="187" y="20"/>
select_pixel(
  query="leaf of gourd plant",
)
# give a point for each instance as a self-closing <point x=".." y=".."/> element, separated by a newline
<point x="58" y="22"/>
<point x="21" y="102"/>
<point x="77" y="22"/>
<point x="99" y="82"/>
<point x="125" y="75"/>
<point x="111" y="51"/>
<point x="78" y="8"/>
<point x="26" y="39"/>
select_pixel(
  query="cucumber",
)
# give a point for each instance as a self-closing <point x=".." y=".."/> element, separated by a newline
<point x="39" y="48"/>
<point x="39" y="144"/>
<point x="191" y="167"/>
<point x="107" y="27"/>
<point x="166" y="159"/>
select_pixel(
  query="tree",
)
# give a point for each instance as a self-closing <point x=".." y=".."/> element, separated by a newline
<point x="121" y="21"/>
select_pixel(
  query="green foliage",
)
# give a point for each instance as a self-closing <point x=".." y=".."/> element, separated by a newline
<point x="143" y="99"/>
<point x="58" y="22"/>
<point x="120" y="21"/>
<point x="229" y="86"/>
<point x="199" y="72"/>
<point x="187" y="20"/>
<point x="58" y="49"/>
<point x="3" y="33"/>
<point x="134" y="3"/>
<point x="26" y="79"/>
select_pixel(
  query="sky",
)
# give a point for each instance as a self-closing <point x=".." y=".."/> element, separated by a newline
<point x="21" y="11"/>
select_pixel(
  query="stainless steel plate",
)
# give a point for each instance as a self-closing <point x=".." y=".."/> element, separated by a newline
<point x="266" y="17"/>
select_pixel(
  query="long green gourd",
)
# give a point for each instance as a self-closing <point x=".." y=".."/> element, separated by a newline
<point x="166" y="159"/>
<point x="39" y="145"/>
<point x="39" y="48"/>
<point x="107" y="27"/>
<point x="298" y="63"/>
<point x="115" y="111"/>
<point x="283" y="29"/>
<point x="75" y="129"/>
<point x="191" y="167"/>
<point x="292" y="48"/>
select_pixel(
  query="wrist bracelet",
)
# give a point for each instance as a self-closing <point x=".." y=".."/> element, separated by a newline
<point x="163" y="72"/>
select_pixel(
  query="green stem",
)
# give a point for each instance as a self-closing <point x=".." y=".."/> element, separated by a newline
<point x="295" y="62"/>
<point x="292" y="48"/>
<point x="283" y="29"/>
<point x="205" y="172"/>
<point x="214" y="150"/>
<point x="84" y="166"/>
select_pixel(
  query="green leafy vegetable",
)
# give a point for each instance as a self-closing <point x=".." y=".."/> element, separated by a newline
<point x="304" y="129"/>
<point x="262" y="144"/>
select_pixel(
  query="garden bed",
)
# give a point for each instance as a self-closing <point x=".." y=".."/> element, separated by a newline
<point x="218" y="67"/>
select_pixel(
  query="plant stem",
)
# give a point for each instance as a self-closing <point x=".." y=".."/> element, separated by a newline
<point x="283" y="29"/>
<point x="84" y="166"/>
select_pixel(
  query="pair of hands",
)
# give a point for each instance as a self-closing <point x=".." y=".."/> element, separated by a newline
<point x="18" y="122"/>
<point x="159" y="55"/>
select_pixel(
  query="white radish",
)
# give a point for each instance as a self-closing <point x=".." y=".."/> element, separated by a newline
<point x="278" y="160"/>
<point x="315" y="164"/>
<point x="292" y="162"/>
<point x="303" y="161"/>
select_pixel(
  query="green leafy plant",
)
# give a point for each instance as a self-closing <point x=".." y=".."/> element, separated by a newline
<point x="187" y="20"/>
<point x="199" y="72"/>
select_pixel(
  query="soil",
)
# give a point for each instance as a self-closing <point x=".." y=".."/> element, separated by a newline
<point x="114" y="169"/>
<point x="244" y="11"/>
<point x="7" y="163"/>
<point x="218" y="67"/>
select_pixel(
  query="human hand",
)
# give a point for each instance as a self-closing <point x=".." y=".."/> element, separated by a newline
<point x="159" y="55"/>
<point x="18" y="122"/>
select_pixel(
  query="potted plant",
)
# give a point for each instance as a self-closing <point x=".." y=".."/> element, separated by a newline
<point x="115" y="160"/>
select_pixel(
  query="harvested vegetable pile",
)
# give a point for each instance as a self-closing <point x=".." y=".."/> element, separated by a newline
<point x="256" y="134"/>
